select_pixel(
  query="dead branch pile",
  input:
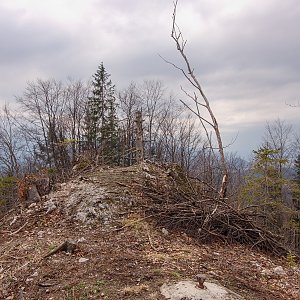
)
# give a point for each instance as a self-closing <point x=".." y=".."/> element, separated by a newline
<point x="184" y="203"/>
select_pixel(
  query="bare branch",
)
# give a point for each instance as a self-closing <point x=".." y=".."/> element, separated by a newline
<point x="180" y="43"/>
<point x="180" y="69"/>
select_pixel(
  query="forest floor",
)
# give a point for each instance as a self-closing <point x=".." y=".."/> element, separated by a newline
<point x="123" y="255"/>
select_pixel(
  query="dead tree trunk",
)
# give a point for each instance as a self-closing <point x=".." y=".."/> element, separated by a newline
<point x="200" y="105"/>
<point x="139" y="137"/>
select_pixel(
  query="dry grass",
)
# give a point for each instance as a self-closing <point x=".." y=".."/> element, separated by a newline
<point x="135" y="290"/>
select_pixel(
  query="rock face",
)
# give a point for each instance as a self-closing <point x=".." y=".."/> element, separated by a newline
<point x="188" y="290"/>
<point x="43" y="185"/>
<point x="88" y="203"/>
<point x="33" y="194"/>
<point x="83" y="201"/>
<point x="96" y="197"/>
<point x="32" y="187"/>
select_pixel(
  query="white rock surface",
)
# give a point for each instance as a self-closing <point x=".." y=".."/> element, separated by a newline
<point x="49" y="206"/>
<point x="188" y="290"/>
<point x="82" y="201"/>
<point x="279" y="271"/>
<point x="165" y="231"/>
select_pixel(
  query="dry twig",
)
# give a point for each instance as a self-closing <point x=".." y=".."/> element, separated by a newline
<point x="15" y="232"/>
<point x="175" y="204"/>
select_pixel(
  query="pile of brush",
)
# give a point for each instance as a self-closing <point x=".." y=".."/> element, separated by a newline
<point x="180" y="202"/>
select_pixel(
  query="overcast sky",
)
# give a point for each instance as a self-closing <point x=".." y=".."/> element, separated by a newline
<point x="245" y="52"/>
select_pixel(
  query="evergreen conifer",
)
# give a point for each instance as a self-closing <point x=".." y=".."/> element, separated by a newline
<point x="101" y="119"/>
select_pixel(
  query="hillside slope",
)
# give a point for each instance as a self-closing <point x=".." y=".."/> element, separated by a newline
<point x="119" y="252"/>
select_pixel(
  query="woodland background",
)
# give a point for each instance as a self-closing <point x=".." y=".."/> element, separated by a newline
<point x="58" y="126"/>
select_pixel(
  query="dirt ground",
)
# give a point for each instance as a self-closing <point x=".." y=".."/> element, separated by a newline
<point x="127" y="258"/>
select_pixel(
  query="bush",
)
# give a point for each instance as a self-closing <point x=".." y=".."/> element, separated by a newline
<point x="8" y="192"/>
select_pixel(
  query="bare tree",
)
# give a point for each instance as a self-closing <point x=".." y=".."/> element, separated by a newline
<point x="43" y="104"/>
<point x="238" y="169"/>
<point x="75" y="96"/>
<point x="152" y="98"/>
<point x="200" y="100"/>
<point x="148" y="97"/>
<point x="179" y="140"/>
<point x="129" y="103"/>
<point x="11" y="144"/>
<point x="278" y="136"/>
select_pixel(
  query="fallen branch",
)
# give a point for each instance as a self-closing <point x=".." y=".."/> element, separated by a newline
<point x="150" y="240"/>
<point x="175" y="204"/>
<point x="66" y="246"/>
<point x="15" y="232"/>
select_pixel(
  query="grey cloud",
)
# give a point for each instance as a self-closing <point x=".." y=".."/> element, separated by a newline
<point x="25" y="41"/>
<point x="255" y="39"/>
<point x="247" y="55"/>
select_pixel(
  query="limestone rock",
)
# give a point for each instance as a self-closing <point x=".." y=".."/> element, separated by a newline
<point x="49" y="206"/>
<point x="188" y="290"/>
<point x="82" y="201"/>
<point x="279" y="271"/>
<point x="33" y="194"/>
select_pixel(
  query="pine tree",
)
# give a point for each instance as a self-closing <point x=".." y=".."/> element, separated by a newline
<point x="296" y="186"/>
<point x="101" y="119"/>
<point x="297" y="167"/>
<point x="295" y="220"/>
<point x="110" y="133"/>
<point x="264" y="187"/>
<point x="262" y="181"/>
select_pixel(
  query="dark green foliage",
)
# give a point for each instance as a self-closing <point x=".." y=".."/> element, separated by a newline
<point x="8" y="192"/>
<point x="297" y="167"/>
<point x="296" y="194"/>
<point x="101" y="123"/>
<point x="265" y="188"/>
<point x="266" y="168"/>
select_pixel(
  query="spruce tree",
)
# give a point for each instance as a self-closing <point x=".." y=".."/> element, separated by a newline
<point x="101" y="119"/>
<point x="296" y="187"/>
<point x="297" y="167"/>
<point x="264" y="187"/>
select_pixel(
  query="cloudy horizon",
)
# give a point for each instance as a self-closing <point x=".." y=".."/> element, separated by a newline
<point x="245" y="53"/>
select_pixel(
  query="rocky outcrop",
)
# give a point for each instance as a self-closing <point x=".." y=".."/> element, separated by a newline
<point x="188" y="290"/>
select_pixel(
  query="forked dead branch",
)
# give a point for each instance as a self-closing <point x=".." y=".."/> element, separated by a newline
<point x="200" y="101"/>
